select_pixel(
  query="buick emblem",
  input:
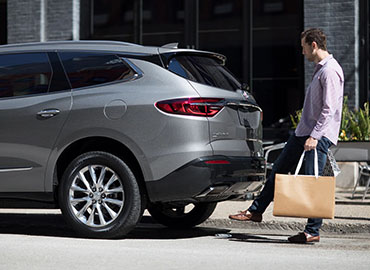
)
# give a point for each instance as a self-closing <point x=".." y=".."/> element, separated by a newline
<point x="245" y="94"/>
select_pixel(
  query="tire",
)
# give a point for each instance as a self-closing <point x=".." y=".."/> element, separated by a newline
<point x="99" y="196"/>
<point x="176" y="216"/>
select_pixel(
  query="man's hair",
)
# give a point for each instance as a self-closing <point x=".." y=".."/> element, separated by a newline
<point x="315" y="34"/>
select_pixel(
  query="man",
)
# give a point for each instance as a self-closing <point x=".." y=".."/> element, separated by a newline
<point x="317" y="129"/>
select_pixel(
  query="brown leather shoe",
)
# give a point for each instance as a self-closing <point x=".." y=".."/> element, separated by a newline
<point x="302" y="238"/>
<point x="247" y="216"/>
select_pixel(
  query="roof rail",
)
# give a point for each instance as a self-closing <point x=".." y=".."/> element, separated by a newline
<point x="106" y="42"/>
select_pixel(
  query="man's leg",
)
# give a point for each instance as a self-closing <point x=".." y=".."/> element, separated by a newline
<point x="314" y="224"/>
<point x="285" y="163"/>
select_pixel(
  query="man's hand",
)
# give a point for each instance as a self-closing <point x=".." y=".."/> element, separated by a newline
<point x="310" y="144"/>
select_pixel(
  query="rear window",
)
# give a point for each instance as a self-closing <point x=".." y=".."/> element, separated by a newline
<point x="205" y="70"/>
<point x="88" y="69"/>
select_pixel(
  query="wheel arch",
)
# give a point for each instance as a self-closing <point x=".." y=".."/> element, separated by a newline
<point x="97" y="143"/>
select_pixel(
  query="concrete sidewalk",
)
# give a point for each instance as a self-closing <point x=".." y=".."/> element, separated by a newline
<point x="351" y="216"/>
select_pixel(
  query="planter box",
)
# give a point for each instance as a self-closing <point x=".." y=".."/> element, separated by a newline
<point x="348" y="154"/>
<point x="348" y="175"/>
<point x="352" y="151"/>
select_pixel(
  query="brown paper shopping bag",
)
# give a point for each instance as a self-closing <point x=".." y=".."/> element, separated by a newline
<point x="306" y="196"/>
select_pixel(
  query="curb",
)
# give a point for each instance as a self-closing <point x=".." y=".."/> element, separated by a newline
<point x="343" y="228"/>
<point x="353" y="202"/>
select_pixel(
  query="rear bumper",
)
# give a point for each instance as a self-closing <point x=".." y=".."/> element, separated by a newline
<point x="202" y="180"/>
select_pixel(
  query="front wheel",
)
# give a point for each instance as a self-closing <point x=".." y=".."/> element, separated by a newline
<point x="181" y="216"/>
<point x="99" y="196"/>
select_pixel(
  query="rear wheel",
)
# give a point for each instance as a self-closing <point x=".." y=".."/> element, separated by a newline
<point x="181" y="216"/>
<point x="99" y="196"/>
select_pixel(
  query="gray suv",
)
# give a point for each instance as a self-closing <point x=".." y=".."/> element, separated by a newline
<point x="104" y="130"/>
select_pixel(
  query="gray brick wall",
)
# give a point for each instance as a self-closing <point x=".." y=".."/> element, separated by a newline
<point x="23" y="21"/>
<point x="59" y="20"/>
<point x="338" y="19"/>
<point x="25" y="17"/>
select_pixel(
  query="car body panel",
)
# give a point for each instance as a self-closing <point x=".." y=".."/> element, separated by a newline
<point x="229" y="133"/>
<point x="26" y="140"/>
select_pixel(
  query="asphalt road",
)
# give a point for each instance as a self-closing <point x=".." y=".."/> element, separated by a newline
<point x="43" y="241"/>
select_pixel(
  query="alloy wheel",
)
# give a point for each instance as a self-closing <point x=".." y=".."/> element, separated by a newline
<point x="96" y="196"/>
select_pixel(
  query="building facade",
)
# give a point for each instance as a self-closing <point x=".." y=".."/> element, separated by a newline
<point x="260" y="38"/>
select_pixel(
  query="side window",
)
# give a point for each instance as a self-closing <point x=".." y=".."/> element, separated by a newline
<point x="87" y="69"/>
<point x="24" y="74"/>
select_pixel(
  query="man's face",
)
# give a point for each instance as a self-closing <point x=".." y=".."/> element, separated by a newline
<point x="307" y="50"/>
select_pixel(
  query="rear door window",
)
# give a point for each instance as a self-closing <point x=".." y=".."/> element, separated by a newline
<point x="24" y="74"/>
<point x="205" y="70"/>
<point x="88" y="69"/>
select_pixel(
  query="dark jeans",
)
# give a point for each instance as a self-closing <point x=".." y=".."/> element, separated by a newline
<point x="287" y="162"/>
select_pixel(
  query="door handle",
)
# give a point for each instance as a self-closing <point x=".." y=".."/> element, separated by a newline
<point x="48" y="113"/>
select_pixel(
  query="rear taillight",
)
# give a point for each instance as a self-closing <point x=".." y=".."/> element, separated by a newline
<point x="191" y="106"/>
<point x="217" y="162"/>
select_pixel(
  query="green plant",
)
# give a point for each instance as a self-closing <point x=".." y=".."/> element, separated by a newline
<point x="344" y="125"/>
<point x="355" y="125"/>
<point x="296" y="118"/>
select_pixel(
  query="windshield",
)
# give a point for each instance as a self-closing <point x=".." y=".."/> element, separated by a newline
<point x="205" y="70"/>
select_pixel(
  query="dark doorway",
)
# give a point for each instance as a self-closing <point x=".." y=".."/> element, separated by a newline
<point x="277" y="63"/>
<point x="3" y="22"/>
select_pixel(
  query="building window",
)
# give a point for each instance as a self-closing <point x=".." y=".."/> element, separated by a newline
<point x="220" y="30"/>
<point x="113" y="20"/>
<point x="277" y="60"/>
<point x="163" y="22"/>
<point x="3" y="22"/>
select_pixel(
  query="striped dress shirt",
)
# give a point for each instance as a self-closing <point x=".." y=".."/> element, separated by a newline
<point x="322" y="108"/>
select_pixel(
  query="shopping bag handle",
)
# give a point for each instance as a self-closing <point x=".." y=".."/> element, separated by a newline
<point x="316" y="164"/>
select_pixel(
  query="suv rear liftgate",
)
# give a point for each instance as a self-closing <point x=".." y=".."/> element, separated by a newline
<point x="237" y="166"/>
<point x="218" y="177"/>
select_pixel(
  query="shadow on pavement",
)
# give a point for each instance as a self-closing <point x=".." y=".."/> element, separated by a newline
<point x="53" y="225"/>
<point x="353" y="218"/>
<point x="251" y="238"/>
<point x="35" y="224"/>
